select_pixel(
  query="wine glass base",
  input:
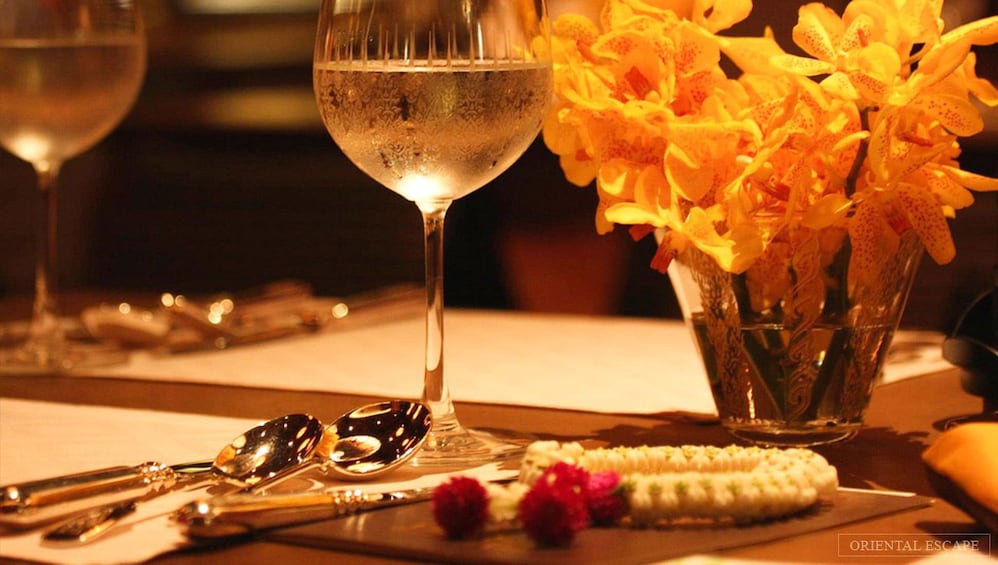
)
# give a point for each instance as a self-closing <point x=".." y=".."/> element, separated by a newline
<point x="40" y="356"/>
<point x="462" y="447"/>
<point x="67" y="349"/>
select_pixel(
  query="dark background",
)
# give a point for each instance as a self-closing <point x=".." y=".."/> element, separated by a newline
<point x="223" y="177"/>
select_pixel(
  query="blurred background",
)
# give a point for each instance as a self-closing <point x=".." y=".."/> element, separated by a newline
<point x="223" y="177"/>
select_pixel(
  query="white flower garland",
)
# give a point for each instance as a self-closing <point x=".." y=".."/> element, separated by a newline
<point x="693" y="481"/>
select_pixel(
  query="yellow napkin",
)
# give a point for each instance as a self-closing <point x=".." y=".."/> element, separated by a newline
<point x="967" y="455"/>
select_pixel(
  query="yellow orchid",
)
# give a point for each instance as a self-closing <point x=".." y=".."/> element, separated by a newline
<point x="859" y="137"/>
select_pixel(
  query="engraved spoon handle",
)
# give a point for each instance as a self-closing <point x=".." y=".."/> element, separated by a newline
<point x="35" y="502"/>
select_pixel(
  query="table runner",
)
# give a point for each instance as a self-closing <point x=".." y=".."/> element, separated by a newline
<point x="424" y="542"/>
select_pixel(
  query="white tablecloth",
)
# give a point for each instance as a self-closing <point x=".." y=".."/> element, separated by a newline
<point x="600" y="364"/>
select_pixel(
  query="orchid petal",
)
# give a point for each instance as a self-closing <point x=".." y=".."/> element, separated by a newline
<point x="973" y="181"/>
<point x="840" y="85"/>
<point x="827" y="211"/>
<point x="616" y="178"/>
<point x="979" y="32"/>
<point x="857" y="34"/>
<point x="753" y="54"/>
<point x="926" y="215"/>
<point x="872" y="241"/>
<point x="631" y="213"/>
<point x="801" y="65"/>
<point x="949" y="192"/>
<point x="580" y="172"/>
<point x="724" y="14"/>
<point x="873" y="70"/>
<point x="734" y="251"/>
<point x="817" y="31"/>
<point x="955" y="114"/>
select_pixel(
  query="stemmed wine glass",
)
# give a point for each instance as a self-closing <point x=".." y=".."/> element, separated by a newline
<point x="433" y="99"/>
<point x="69" y="72"/>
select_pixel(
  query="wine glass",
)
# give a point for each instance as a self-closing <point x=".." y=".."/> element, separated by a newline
<point x="434" y="99"/>
<point x="69" y="72"/>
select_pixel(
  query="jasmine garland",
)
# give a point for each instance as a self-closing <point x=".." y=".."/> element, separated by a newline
<point x="563" y="488"/>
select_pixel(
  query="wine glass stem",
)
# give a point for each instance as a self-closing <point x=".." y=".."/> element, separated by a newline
<point x="45" y="334"/>
<point x="436" y="394"/>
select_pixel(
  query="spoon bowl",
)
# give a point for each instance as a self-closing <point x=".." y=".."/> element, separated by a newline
<point x="376" y="439"/>
<point x="268" y="449"/>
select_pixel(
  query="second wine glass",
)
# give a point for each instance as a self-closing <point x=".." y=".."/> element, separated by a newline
<point x="69" y="73"/>
<point x="433" y="100"/>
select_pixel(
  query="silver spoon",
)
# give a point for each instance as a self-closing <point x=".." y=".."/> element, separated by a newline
<point x="37" y="502"/>
<point x="261" y="452"/>
<point x="360" y="445"/>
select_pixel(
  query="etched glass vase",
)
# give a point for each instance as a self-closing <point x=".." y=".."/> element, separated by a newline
<point x="793" y="346"/>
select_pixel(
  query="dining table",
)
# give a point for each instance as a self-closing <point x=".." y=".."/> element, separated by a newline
<point x="598" y="380"/>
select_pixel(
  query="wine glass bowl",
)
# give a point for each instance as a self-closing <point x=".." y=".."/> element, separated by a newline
<point x="433" y="100"/>
<point x="458" y="146"/>
<point x="429" y="110"/>
<point x="64" y="97"/>
<point x="69" y="72"/>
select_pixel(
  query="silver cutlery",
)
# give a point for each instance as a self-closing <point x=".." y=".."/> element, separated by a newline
<point x="286" y="441"/>
<point x="280" y="309"/>
<point x="362" y="444"/>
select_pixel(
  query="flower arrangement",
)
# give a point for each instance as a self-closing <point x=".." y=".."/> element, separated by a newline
<point x="564" y="488"/>
<point x="858" y="138"/>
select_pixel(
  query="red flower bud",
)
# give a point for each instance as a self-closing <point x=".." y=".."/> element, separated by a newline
<point x="606" y="506"/>
<point x="461" y="507"/>
<point x="555" y="508"/>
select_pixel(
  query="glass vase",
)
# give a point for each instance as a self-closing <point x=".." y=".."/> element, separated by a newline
<point x="793" y="346"/>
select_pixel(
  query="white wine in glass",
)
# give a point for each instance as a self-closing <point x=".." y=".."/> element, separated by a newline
<point x="434" y="99"/>
<point x="70" y="70"/>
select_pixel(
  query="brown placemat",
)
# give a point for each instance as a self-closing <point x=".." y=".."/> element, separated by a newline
<point x="409" y="532"/>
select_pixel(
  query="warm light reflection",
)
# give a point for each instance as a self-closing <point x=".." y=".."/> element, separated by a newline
<point x="340" y="310"/>
<point x="366" y="467"/>
<point x="225" y="305"/>
<point x="30" y="147"/>
<point x="419" y="188"/>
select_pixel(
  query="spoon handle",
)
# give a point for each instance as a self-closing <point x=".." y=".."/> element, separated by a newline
<point x="91" y="524"/>
<point x="240" y="514"/>
<point x="37" y="502"/>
